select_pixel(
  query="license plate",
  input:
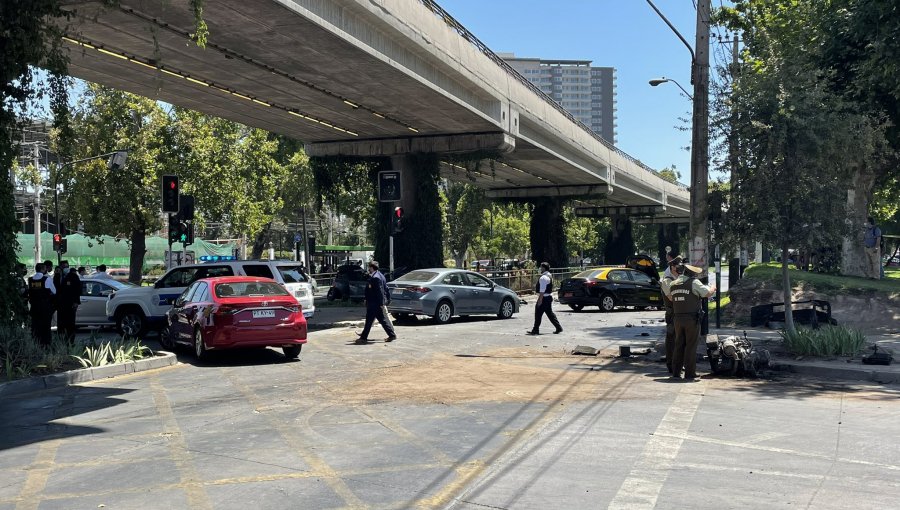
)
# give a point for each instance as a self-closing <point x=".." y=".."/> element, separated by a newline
<point x="397" y="292"/>
<point x="654" y="298"/>
<point x="567" y="294"/>
<point x="261" y="314"/>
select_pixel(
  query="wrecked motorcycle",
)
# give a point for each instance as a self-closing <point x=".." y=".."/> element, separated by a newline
<point x="733" y="355"/>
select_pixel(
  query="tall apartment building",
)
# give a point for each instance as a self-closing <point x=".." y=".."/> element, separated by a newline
<point x="588" y="93"/>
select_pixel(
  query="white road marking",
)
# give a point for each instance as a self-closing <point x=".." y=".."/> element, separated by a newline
<point x="642" y="486"/>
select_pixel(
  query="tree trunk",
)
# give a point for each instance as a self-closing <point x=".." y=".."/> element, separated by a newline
<point x="788" y="292"/>
<point x="458" y="259"/>
<point x="138" y="250"/>
<point x="259" y="242"/>
<point x="853" y="253"/>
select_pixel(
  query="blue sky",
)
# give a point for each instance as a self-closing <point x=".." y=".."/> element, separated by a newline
<point x="625" y="34"/>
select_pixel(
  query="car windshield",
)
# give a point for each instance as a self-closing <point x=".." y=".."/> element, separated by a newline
<point x="119" y="285"/>
<point x="248" y="289"/>
<point x="589" y="274"/>
<point x="291" y="274"/>
<point x="417" y="276"/>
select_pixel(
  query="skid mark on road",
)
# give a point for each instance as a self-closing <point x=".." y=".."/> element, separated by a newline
<point x="642" y="486"/>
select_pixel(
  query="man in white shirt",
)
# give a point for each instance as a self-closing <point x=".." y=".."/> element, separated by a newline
<point x="544" y="304"/>
<point x="101" y="273"/>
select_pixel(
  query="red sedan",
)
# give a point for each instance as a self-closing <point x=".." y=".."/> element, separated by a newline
<point x="236" y="311"/>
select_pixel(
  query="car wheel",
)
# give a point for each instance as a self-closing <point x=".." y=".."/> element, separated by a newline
<point x="332" y="294"/>
<point x="506" y="309"/>
<point x="292" y="351"/>
<point x="165" y="338"/>
<point x="199" y="346"/>
<point x="577" y="308"/>
<point x="607" y="302"/>
<point x="443" y="312"/>
<point x="131" y="323"/>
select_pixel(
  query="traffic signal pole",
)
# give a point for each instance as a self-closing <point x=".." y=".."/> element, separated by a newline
<point x="699" y="243"/>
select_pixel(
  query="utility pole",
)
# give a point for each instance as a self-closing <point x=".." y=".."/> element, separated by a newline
<point x="37" y="206"/>
<point x="699" y="243"/>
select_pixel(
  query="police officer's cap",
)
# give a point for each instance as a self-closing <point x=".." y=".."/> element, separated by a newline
<point x="692" y="270"/>
<point x="677" y="261"/>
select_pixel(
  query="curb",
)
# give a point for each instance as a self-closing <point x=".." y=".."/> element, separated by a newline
<point x="330" y="325"/>
<point x="52" y="381"/>
<point x="843" y="373"/>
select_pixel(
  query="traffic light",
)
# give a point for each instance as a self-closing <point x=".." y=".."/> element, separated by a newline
<point x="312" y="245"/>
<point x="57" y="242"/>
<point x="174" y="229"/>
<point x="186" y="208"/>
<point x="397" y="222"/>
<point x="63" y="245"/>
<point x="170" y="192"/>
<point x="186" y="235"/>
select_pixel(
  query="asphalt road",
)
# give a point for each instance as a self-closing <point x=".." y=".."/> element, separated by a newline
<point x="471" y="415"/>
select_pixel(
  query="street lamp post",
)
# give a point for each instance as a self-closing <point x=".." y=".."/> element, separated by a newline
<point x="115" y="162"/>
<point x="657" y="81"/>
<point x="698" y="244"/>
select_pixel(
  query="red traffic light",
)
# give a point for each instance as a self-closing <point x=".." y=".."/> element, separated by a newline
<point x="171" y="184"/>
<point x="398" y="212"/>
<point x="57" y="238"/>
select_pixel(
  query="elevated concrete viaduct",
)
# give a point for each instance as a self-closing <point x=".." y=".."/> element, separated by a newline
<point x="368" y="78"/>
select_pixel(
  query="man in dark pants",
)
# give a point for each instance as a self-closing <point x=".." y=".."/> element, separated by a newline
<point x="40" y="301"/>
<point x="544" y="303"/>
<point x="377" y="297"/>
<point x="68" y="297"/>
<point x="686" y="292"/>
<point x="665" y="286"/>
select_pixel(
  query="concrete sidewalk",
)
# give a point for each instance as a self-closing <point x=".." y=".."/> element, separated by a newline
<point x="831" y="367"/>
<point x="331" y="316"/>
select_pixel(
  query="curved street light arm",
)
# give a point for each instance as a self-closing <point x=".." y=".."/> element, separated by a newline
<point x="664" y="18"/>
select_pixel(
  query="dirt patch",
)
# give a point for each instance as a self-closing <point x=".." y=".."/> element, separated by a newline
<point x="873" y="313"/>
<point x="505" y="375"/>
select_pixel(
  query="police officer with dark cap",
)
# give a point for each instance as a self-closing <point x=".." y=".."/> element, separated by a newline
<point x="665" y="286"/>
<point x="68" y="297"/>
<point x="686" y="293"/>
<point x="40" y="301"/>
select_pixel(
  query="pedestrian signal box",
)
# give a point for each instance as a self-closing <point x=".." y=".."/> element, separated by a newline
<point x="397" y="221"/>
<point x="389" y="186"/>
<point x="170" y="192"/>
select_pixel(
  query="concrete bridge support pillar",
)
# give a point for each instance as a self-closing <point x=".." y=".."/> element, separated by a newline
<point x="620" y="241"/>
<point x="421" y="242"/>
<point x="547" y="232"/>
<point x="668" y="236"/>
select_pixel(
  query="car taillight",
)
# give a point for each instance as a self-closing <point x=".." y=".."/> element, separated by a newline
<point x="295" y="309"/>
<point x="591" y="283"/>
<point x="420" y="290"/>
<point x="226" y="310"/>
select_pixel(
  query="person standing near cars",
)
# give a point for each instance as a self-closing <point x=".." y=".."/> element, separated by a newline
<point x="40" y="301"/>
<point x="665" y="285"/>
<point x="544" y="303"/>
<point x="377" y="297"/>
<point x="686" y="293"/>
<point x="101" y="274"/>
<point x="68" y="298"/>
<point x="872" y="241"/>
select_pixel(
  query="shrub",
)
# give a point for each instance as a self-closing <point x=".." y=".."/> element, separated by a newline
<point x="826" y="341"/>
<point x="119" y="351"/>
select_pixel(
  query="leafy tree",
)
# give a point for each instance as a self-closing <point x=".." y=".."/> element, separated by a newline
<point x="125" y="202"/>
<point x="800" y="143"/>
<point x="465" y="213"/>
<point x="582" y="234"/>
<point x="670" y="174"/>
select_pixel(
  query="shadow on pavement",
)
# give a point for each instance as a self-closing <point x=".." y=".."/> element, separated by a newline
<point x="30" y="418"/>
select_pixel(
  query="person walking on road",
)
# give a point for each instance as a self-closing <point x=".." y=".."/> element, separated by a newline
<point x="40" y="301"/>
<point x="377" y="297"/>
<point x="544" y="303"/>
<point x="872" y="241"/>
<point x="665" y="284"/>
<point x="686" y="293"/>
<point x="68" y="298"/>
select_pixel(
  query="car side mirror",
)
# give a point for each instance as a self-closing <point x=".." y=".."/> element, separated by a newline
<point x="179" y="302"/>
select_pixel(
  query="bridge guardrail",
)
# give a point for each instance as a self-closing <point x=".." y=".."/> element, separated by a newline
<point x="439" y="11"/>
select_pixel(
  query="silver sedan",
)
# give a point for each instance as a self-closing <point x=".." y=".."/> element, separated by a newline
<point x="442" y="293"/>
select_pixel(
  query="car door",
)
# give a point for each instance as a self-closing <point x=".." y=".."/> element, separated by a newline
<point x="170" y="287"/>
<point x="621" y="286"/>
<point x="181" y="314"/>
<point x="457" y="289"/>
<point x="94" y="295"/>
<point x="480" y="292"/>
<point x="646" y="290"/>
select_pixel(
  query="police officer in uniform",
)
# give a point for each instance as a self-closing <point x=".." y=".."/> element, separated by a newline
<point x="68" y="297"/>
<point x="686" y="293"/>
<point x="376" y="297"/>
<point x="665" y="284"/>
<point x="40" y="301"/>
<point x="544" y="289"/>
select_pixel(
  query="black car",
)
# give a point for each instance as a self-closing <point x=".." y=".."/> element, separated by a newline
<point x="609" y="287"/>
<point x="349" y="283"/>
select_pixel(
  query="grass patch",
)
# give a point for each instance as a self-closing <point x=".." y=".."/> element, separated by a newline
<point x="724" y="301"/>
<point x="825" y="341"/>
<point x="771" y="272"/>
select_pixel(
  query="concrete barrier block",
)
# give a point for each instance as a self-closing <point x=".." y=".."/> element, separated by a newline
<point x="108" y="371"/>
<point x="67" y="378"/>
<point x="163" y="359"/>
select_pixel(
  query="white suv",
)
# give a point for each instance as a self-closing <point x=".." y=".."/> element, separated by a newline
<point x="137" y="309"/>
